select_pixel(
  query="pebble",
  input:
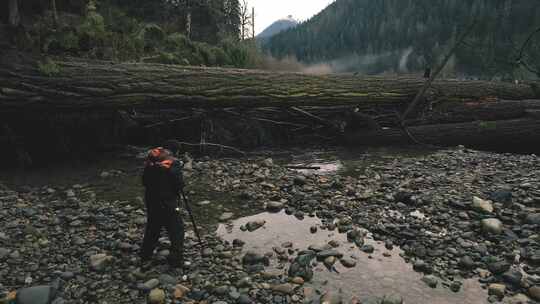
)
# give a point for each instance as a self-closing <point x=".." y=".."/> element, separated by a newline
<point x="534" y="293"/>
<point x="497" y="290"/>
<point x="156" y="296"/>
<point x="492" y="226"/>
<point x="431" y="281"/>
<point x="482" y="205"/>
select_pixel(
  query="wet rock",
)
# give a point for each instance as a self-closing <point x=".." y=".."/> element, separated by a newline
<point x="300" y="180"/>
<point x="431" y="281"/>
<point x="4" y="252"/>
<point x="254" y="225"/>
<point x="497" y="290"/>
<point x="405" y="197"/>
<point x="328" y="253"/>
<point x="368" y="248"/>
<point x="275" y="206"/>
<point x="252" y="258"/>
<point x="513" y="277"/>
<point x="156" y="296"/>
<point x="301" y="267"/>
<point x="349" y="263"/>
<point x="482" y="205"/>
<point x="244" y="299"/>
<point x="498" y="267"/>
<point x="100" y="262"/>
<point x="35" y="295"/>
<point x="238" y="243"/>
<point x="319" y="247"/>
<point x="466" y="263"/>
<point x="492" y="226"/>
<point x="420" y="266"/>
<point x="151" y="284"/>
<point x="392" y="299"/>
<point x="533" y="219"/>
<point x="502" y="196"/>
<point x="313" y="229"/>
<point x="455" y="286"/>
<point x="284" y="288"/>
<point x="534" y="293"/>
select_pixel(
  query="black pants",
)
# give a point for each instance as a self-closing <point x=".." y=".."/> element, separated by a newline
<point x="163" y="215"/>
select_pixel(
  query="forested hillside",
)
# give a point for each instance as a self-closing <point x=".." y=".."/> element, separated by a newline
<point x="410" y="35"/>
<point x="196" y="32"/>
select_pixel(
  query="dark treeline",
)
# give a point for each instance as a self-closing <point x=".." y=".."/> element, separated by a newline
<point x="195" y="32"/>
<point x="409" y="35"/>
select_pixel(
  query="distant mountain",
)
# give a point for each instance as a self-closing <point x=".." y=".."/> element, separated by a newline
<point x="377" y="36"/>
<point x="277" y="27"/>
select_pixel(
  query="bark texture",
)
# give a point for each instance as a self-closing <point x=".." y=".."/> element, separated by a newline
<point x="101" y="85"/>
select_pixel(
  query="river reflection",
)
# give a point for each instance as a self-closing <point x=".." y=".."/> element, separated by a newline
<point x="381" y="273"/>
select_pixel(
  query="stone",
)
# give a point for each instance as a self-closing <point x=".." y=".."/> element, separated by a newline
<point x="151" y="284"/>
<point x="349" y="263"/>
<point x="420" y="266"/>
<point x="466" y="263"/>
<point x="431" y="281"/>
<point x="496" y="290"/>
<point x="274" y="206"/>
<point x="533" y="219"/>
<point x="392" y="299"/>
<point x="226" y="216"/>
<point x="156" y="296"/>
<point x="328" y="253"/>
<point x="313" y="229"/>
<point x="286" y="288"/>
<point x="513" y="277"/>
<point x="502" y="196"/>
<point x="268" y="162"/>
<point x="367" y="248"/>
<point x="455" y="286"/>
<point x="35" y="295"/>
<point x="254" y="225"/>
<point x="298" y="280"/>
<point x="331" y="298"/>
<point x="498" y="267"/>
<point x="99" y="262"/>
<point x="481" y="205"/>
<point x="252" y="258"/>
<point x="534" y="292"/>
<point x="166" y="279"/>
<point x="517" y="299"/>
<point x="4" y="252"/>
<point x="180" y="291"/>
<point x="330" y="261"/>
<point x="203" y="203"/>
<point x="244" y="299"/>
<point x="492" y="226"/>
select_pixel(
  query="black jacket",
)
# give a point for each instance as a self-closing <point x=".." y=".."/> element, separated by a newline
<point x="162" y="179"/>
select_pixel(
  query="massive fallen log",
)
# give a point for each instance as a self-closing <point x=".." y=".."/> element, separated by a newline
<point x="515" y="134"/>
<point x="80" y="85"/>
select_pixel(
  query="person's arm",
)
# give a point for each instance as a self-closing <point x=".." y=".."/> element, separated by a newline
<point x="177" y="176"/>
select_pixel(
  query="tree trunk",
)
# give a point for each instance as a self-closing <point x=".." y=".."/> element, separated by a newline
<point x="100" y="85"/>
<point x="14" y="17"/>
<point x="502" y="134"/>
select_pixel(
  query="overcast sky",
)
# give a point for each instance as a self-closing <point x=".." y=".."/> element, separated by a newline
<point x="268" y="11"/>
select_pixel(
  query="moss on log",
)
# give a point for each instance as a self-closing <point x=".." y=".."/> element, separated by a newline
<point x="99" y="85"/>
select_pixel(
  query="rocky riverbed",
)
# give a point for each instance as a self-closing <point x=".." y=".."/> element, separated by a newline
<point x="361" y="228"/>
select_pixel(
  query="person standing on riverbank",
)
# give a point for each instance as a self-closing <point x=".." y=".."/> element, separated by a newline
<point x="163" y="180"/>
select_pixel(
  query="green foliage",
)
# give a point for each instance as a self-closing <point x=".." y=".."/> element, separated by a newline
<point x="48" y="67"/>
